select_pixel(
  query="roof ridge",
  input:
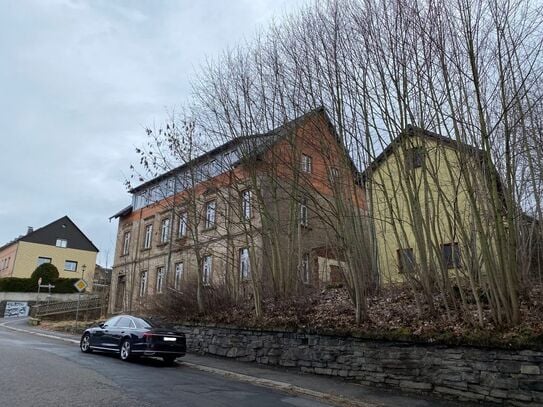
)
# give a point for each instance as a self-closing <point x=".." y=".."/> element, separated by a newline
<point x="232" y="141"/>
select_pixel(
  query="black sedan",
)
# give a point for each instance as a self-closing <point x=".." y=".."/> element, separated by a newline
<point x="132" y="337"/>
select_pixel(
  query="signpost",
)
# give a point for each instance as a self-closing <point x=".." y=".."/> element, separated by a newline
<point x="80" y="286"/>
<point x="40" y="285"/>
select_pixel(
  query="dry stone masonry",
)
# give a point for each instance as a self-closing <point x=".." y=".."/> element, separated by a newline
<point x="461" y="373"/>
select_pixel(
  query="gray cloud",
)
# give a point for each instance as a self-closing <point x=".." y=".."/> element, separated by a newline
<point x="79" y="80"/>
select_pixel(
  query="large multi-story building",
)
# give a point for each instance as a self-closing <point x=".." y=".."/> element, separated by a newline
<point x="266" y="207"/>
<point x="60" y="242"/>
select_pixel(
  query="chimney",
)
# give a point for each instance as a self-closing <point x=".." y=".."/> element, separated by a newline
<point x="29" y="230"/>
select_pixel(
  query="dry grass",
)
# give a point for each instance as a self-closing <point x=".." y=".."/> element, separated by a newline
<point x="393" y="315"/>
<point x="68" y="326"/>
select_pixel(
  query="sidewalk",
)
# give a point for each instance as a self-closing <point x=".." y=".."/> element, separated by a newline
<point x="325" y="388"/>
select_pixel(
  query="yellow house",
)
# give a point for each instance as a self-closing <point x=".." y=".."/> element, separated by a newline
<point x="429" y="204"/>
<point x="61" y="243"/>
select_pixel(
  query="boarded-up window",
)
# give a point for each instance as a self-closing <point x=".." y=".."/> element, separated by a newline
<point x="414" y="158"/>
<point x="451" y="256"/>
<point x="406" y="260"/>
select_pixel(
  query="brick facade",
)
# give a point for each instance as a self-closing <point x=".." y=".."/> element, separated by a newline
<point x="274" y="233"/>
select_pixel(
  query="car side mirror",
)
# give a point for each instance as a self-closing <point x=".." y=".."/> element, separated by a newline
<point x="102" y="325"/>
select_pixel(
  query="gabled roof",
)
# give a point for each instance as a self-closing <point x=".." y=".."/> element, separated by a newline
<point x="122" y="212"/>
<point x="63" y="228"/>
<point x="258" y="143"/>
<point x="255" y="145"/>
<point x="412" y="131"/>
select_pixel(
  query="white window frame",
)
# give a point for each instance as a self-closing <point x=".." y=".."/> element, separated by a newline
<point x="305" y="268"/>
<point x="126" y="243"/>
<point x="143" y="283"/>
<point x="246" y="198"/>
<point x="165" y="230"/>
<point x="66" y="262"/>
<point x="333" y="174"/>
<point x="211" y="168"/>
<point x="178" y="276"/>
<point x="307" y="163"/>
<point x="148" y="236"/>
<point x="244" y="264"/>
<point x="303" y="212"/>
<point x="61" y="243"/>
<point x="45" y="260"/>
<point x="210" y="208"/>
<point x="183" y="224"/>
<point x="207" y="269"/>
<point x="159" y="279"/>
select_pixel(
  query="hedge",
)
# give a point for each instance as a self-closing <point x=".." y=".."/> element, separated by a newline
<point x="29" y="285"/>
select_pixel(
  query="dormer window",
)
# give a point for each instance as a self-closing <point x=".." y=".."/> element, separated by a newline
<point x="61" y="243"/>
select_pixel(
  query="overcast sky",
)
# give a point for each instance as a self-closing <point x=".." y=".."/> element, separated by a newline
<point x="79" y="80"/>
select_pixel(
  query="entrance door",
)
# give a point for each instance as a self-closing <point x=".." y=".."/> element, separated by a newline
<point x="119" y="298"/>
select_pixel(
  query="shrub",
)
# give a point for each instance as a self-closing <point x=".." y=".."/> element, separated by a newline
<point x="29" y="285"/>
<point x="48" y="273"/>
<point x="16" y="284"/>
<point x="64" y="285"/>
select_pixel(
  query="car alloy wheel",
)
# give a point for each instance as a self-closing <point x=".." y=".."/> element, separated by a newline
<point x="85" y="344"/>
<point x="125" y="350"/>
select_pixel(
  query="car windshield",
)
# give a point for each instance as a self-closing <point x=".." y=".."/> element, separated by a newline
<point x="142" y="323"/>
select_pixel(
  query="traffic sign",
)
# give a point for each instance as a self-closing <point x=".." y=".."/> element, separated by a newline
<point x="80" y="285"/>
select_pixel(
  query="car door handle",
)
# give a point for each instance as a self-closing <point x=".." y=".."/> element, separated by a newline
<point x="122" y="332"/>
<point x="106" y="331"/>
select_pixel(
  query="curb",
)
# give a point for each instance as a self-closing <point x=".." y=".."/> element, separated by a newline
<point x="284" y="387"/>
<point x="4" y="325"/>
<point x="257" y="381"/>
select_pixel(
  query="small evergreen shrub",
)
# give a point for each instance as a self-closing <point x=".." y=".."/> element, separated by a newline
<point x="48" y="273"/>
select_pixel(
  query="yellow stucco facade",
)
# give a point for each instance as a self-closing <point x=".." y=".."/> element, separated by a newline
<point x="60" y="243"/>
<point x="29" y="253"/>
<point x="427" y="206"/>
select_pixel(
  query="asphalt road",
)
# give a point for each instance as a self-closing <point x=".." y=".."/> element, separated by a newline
<point x="36" y="371"/>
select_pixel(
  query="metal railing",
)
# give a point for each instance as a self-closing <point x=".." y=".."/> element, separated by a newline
<point x="65" y="307"/>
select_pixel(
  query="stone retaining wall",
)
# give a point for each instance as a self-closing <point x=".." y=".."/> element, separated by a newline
<point x="461" y="373"/>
